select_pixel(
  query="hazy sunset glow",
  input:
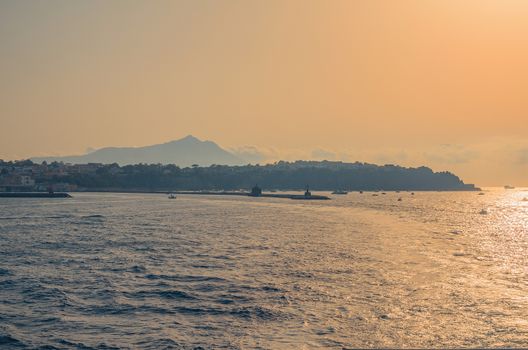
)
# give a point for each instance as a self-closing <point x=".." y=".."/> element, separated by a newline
<point x="437" y="83"/>
<point x="264" y="174"/>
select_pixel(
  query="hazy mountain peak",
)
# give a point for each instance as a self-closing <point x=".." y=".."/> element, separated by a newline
<point x="190" y="138"/>
<point x="183" y="152"/>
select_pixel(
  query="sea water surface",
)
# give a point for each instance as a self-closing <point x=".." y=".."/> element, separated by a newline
<point x="140" y="271"/>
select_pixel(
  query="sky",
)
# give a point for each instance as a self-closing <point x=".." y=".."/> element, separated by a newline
<point x="412" y="82"/>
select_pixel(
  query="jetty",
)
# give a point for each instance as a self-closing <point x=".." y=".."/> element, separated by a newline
<point x="34" y="195"/>
<point x="248" y="194"/>
<point x="257" y="192"/>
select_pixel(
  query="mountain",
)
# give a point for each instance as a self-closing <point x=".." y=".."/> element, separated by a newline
<point x="184" y="152"/>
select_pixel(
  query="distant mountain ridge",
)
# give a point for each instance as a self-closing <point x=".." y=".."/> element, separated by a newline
<point x="184" y="152"/>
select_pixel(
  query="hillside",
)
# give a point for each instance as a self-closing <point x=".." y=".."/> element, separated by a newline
<point x="281" y="176"/>
<point x="184" y="152"/>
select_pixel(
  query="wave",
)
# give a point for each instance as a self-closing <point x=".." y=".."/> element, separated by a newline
<point x="185" y="278"/>
<point x="164" y="294"/>
<point x="120" y="309"/>
<point x="7" y="341"/>
<point x="38" y="294"/>
<point x="257" y="313"/>
<point x="29" y="217"/>
<point x="93" y="216"/>
<point x="58" y="216"/>
<point x="15" y="217"/>
<point x="138" y="269"/>
<point x="163" y="343"/>
<point x="82" y="346"/>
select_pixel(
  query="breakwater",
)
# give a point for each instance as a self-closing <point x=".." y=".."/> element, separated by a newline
<point x="34" y="195"/>
<point x="247" y="194"/>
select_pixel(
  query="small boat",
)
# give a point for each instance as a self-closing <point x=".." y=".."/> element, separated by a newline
<point x="481" y="194"/>
<point x="172" y="196"/>
<point x="340" y="192"/>
<point x="508" y="187"/>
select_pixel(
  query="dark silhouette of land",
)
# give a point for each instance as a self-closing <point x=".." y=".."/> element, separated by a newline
<point x="324" y="175"/>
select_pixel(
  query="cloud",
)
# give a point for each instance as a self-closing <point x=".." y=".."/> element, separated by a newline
<point x="256" y="154"/>
<point x="523" y="156"/>
<point x="321" y="154"/>
<point x="250" y="154"/>
<point x="451" y="154"/>
<point x="390" y="156"/>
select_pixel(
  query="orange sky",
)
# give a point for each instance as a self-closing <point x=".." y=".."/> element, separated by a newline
<point x="438" y="83"/>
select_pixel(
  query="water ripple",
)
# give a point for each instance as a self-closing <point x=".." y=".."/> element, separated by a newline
<point x="112" y="271"/>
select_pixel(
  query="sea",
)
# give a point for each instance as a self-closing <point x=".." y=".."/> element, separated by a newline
<point x="363" y="270"/>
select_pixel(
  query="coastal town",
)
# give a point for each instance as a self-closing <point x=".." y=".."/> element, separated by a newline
<point x="27" y="176"/>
